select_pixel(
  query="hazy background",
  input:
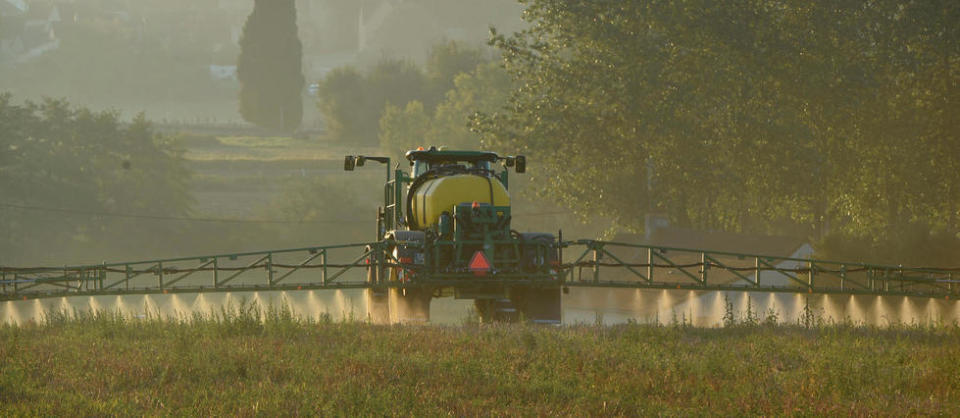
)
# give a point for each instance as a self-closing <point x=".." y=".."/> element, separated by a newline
<point x="833" y="126"/>
<point x="80" y="184"/>
<point x="173" y="58"/>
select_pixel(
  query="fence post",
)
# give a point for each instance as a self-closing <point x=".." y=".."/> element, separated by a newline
<point x="270" y="269"/>
<point x="901" y="277"/>
<point x="650" y="264"/>
<point x="323" y="270"/>
<point x="843" y="277"/>
<point x="160" y="274"/>
<point x="597" y="255"/>
<point x="216" y="272"/>
<point x="756" y="265"/>
<point x="704" y="265"/>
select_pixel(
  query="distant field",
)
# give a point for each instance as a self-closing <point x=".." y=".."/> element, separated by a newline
<point x="204" y="148"/>
<point x="239" y="365"/>
<point x="239" y="177"/>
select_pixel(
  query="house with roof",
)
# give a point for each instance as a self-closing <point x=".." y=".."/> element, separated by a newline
<point x="12" y="16"/>
<point x="12" y="7"/>
<point x="28" y="30"/>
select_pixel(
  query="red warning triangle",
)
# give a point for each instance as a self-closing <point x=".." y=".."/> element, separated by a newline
<point x="479" y="264"/>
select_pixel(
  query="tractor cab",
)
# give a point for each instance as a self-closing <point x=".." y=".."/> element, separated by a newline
<point x="439" y="161"/>
<point x="420" y="167"/>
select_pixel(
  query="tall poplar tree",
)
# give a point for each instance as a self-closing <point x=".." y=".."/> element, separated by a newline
<point x="269" y="67"/>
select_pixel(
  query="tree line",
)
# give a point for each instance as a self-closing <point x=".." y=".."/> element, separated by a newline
<point x="63" y="168"/>
<point x="81" y="186"/>
<point x="400" y="105"/>
<point x="836" y="122"/>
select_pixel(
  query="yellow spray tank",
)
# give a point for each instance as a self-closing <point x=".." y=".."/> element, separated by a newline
<point x="440" y="180"/>
<point x="434" y="196"/>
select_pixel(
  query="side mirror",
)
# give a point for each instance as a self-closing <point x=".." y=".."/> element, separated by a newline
<point x="349" y="163"/>
<point x="521" y="164"/>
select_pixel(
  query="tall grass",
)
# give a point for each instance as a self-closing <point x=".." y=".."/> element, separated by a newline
<point x="244" y="360"/>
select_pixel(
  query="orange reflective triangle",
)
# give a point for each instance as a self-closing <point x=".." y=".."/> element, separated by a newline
<point x="479" y="262"/>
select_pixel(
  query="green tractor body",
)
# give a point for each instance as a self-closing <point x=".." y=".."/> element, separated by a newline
<point x="446" y="229"/>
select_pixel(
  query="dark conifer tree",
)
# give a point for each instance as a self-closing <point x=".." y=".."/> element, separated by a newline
<point x="269" y="67"/>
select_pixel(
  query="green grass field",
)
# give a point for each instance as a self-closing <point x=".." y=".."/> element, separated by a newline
<point x="242" y="363"/>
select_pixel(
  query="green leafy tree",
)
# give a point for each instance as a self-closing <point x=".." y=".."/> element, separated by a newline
<point x="447" y="61"/>
<point x="395" y="82"/>
<point x="269" y="66"/>
<point x="403" y="129"/>
<point x="352" y="103"/>
<point x="343" y="102"/>
<point x="486" y="88"/>
<point x="767" y="116"/>
<point x="65" y="171"/>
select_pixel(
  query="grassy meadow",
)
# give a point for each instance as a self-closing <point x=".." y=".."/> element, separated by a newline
<point x="245" y="363"/>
